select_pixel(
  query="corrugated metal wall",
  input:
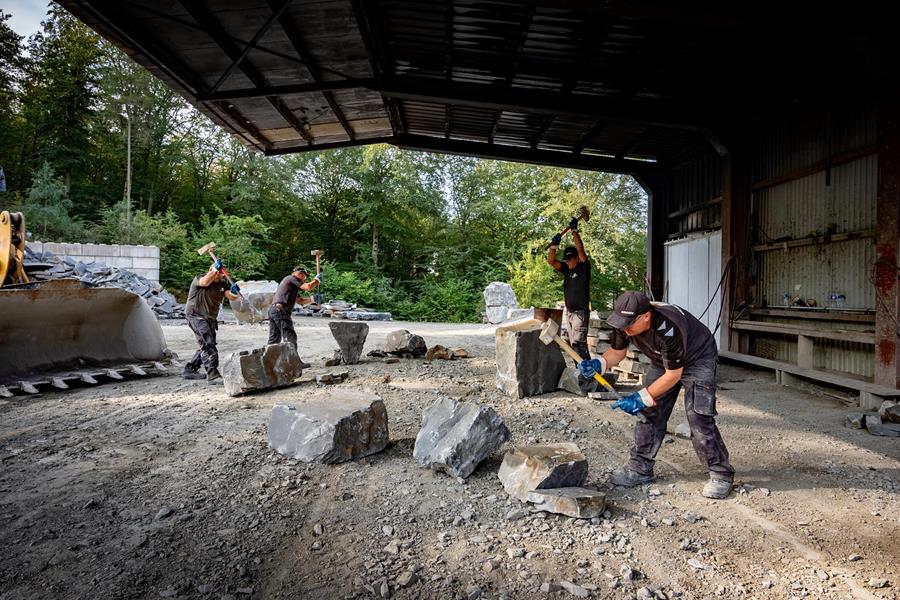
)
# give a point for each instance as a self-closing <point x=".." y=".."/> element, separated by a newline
<point x="837" y="201"/>
<point x="693" y="184"/>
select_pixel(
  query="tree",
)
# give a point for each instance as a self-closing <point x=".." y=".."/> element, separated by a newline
<point x="47" y="207"/>
<point x="11" y="61"/>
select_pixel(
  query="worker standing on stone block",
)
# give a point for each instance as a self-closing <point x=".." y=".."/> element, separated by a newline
<point x="204" y="300"/>
<point x="683" y="354"/>
<point x="281" y="325"/>
<point x="576" y="269"/>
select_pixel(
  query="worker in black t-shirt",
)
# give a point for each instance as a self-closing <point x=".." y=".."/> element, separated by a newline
<point x="281" y="325"/>
<point x="683" y="354"/>
<point x="576" y="269"/>
<point x="204" y="300"/>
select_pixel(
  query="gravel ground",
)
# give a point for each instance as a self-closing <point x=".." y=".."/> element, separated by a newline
<point x="160" y="487"/>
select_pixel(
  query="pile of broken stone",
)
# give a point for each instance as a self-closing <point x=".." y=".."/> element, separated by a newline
<point x="886" y="422"/>
<point x="98" y="274"/>
<point x="335" y="425"/>
<point x="257" y="298"/>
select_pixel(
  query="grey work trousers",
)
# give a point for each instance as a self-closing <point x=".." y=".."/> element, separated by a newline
<point x="699" y="383"/>
<point x="281" y="326"/>
<point x="577" y="322"/>
<point x="205" y="334"/>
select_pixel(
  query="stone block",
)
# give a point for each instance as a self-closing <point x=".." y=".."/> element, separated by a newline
<point x="876" y="426"/>
<point x="456" y="436"/>
<point x="330" y="426"/>
<point x="577" y="502"/>
<point x="500" y="294"/>
<point x="525" y="365"/>
<point x="275" y="365"/>
<point x="856" y="421"/>
<point x="496" y="314"/>
<point x="528" y="468"/>
<point x="350" y="337"/>
<point x="402" y="342"/>
<point x="569" y="381"/>
<point x="889" y="411"/>
<point x="365" y="315"/>
<point x="683" y="430"/>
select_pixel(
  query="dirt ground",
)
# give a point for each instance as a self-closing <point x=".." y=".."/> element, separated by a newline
<point x="160" y="487"/>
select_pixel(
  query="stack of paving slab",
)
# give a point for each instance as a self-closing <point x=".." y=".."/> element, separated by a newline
<point x="635" y="365"/>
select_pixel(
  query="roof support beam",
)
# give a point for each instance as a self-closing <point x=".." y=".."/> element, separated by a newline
<point x="540" y="131"/>
<point x="378" y="54"/>
<point x="223" y="40"/>
<point x="303" y="52"/>
<point x="329" y="146"/>
<point x="288" y="90"/>
<point x="543" y="103"/>
<point x="594" y="130"/>
<point x="262" y="31"/>
<point x="523" y="154"/>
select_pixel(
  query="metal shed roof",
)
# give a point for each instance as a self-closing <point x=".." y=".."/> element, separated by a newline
<point x="606" y="85"/>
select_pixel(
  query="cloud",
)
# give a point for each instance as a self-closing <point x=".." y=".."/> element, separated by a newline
<point x="26" y="15"/>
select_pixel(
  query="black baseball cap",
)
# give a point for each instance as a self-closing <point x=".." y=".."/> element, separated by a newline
<point x="627" y="308"/>
<point x="301" y="269"/>
<point x="570" y="252"/>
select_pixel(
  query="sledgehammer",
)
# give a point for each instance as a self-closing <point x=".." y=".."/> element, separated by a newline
<point x="208" y="249"/>
<point x="550" y="333"/>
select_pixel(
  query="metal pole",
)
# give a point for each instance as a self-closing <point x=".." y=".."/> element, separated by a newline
<point x="128" y="182"/>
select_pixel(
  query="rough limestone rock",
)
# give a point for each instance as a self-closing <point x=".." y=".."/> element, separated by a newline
<point x="577" y="502"/>
<point x="330" y="426"/>
<point x="401" y="342"/>
<point x="569" y="381"/>
<point x="496" y="314"/>
<point x="350" y="337"/>
<point x="889" y="411"/>
<point x="252" y="306"/>
<point x="856" y="421"/>
<point x="683" y="430"/>
<point x="276" y="365"/>
<point x="528" y="468"/>
<point x="439" y="352"/>
<point x="876" y="426"/>
<point x="456" y="436"/>
<point x="525" y="365"/>
<point x="498" y="293"/>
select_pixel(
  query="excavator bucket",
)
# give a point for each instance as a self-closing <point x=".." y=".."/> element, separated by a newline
<point x="63" y="325"/>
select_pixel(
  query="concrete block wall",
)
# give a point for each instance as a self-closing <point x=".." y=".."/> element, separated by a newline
<point x="143" y="260"/>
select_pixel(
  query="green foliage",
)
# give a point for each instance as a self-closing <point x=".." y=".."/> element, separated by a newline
<point x="239" y="243"/>
<point x="47" y="207"/>
<point x="416" y="234"/>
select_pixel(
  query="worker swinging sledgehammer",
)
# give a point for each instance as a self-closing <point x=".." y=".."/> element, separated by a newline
<point x="683" y="353"/>
<point x="576" y="269"/>
<point x="204" y="299"/>
<point x="281" y="325"/>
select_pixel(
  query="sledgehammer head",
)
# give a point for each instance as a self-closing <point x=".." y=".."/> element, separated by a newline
<point x="548" y="331"/>
<point x="207" y="248"/>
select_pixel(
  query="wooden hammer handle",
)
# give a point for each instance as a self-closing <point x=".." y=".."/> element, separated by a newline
<point x="577" y="358"/>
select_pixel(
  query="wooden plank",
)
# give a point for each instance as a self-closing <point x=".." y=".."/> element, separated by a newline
<point x="692" y="209"/>
<point x="817" y="314"/>
<point x="846" y="335"/>
<point x="887" y="216"/>
<point x="836" y="379"/>
<point x="822" y="165"/>
<point x="814" y="240"/>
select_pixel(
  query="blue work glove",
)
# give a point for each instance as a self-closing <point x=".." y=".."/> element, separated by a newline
<point x="573" y="224"/>
<point x="217" y="265"/>
<point x="588" y="367"/>
<point x="556" y="241"/>
<point x="635" y="402"/>
<point x="318" y="278"/>
<point x="235" y="289"/>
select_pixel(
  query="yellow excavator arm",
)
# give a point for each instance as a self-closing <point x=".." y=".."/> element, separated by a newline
<point x="12" y="248"/>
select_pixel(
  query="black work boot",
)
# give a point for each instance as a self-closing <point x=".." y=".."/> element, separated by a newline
<point x="213" y="377"/>
<point x="625" y="477"/>
<point x="191" y="374"/>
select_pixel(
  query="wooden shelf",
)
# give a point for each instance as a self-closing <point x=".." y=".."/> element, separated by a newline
<point x="818" y="239"/>
<point x="845" y="335"/>
<point x="821" y="314"/>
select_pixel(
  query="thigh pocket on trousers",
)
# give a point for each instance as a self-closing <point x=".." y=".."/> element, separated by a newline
<point x="701" y="398"/>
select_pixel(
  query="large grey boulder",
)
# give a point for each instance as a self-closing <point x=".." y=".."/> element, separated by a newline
<point x="456" y="436"/>
<point x="577" y="502"/>
<point x="350" y="337"/>
<point x="889" y="411"/>
<point x="401" y="342"/>
<point x="528" y="468"/>
<point x="498" y="293"/>
<point x="525" y="365"/>
<point x="330" y="426"/>
<point x="276" y="365"/>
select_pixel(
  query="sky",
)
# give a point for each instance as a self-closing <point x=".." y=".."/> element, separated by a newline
<point x="26" y="15"/>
